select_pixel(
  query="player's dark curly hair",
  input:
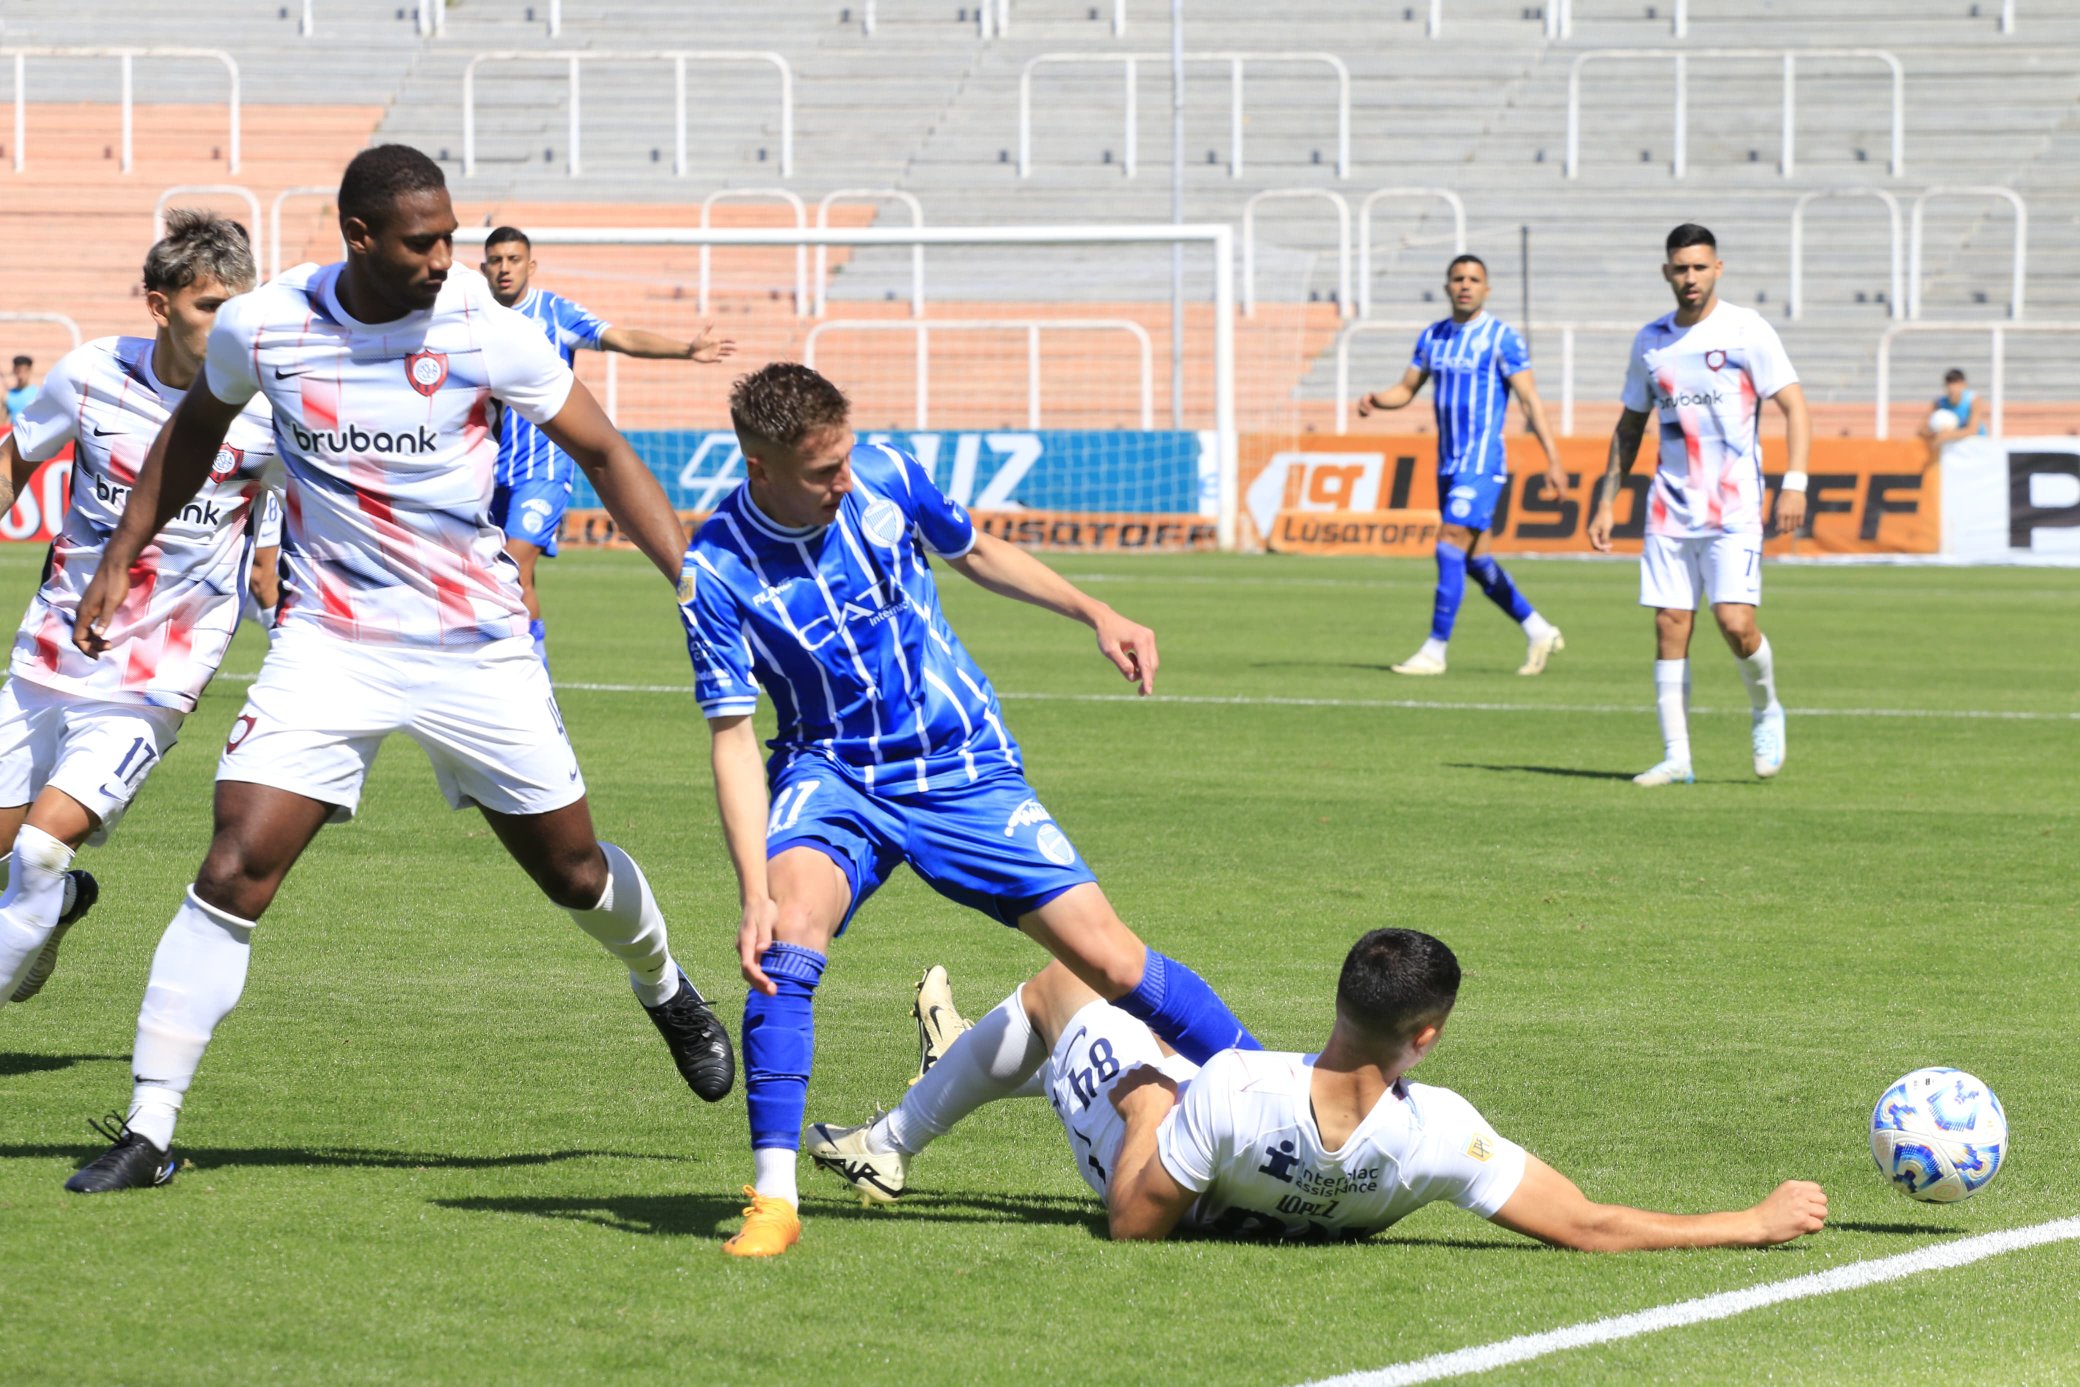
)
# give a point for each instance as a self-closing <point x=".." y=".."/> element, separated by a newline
<point x="1691" y="234"/>
<point x="197" y="245"/>
<point x="1396" y="981"/>
<point x="377" y="177"/>
<point x="777" y="406"/>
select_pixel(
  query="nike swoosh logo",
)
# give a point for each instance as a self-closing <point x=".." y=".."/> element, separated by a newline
<point x="280" y="374"/>
<point x="105" y="433"/>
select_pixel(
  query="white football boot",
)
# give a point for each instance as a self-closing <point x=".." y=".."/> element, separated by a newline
<point x="1541" y="649"/>
<point x="1420" y="663"/>
<point x="1768" y="734"/>
<point x="1667" y="773"/>
<point x="876" y="1176"/>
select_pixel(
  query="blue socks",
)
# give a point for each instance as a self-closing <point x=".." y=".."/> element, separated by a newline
<point x="1177" y="1005"/>
<point x="1451" y="589"/>
<point x="1495" y="582"/>
<point x="541" y="641"/>
<point x="779" y="1044"/>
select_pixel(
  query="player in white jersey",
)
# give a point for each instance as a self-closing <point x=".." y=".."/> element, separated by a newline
<point x="1311" y="1147"/>
<point x="1705" y="370"/>
<point x="80" y="733"/>
<point x="400" y="614"/>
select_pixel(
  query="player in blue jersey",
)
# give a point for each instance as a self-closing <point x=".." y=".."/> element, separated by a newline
<point x="813" y="579"/>
<point x="1477" y="361"/>
<point x="534" y="476"/>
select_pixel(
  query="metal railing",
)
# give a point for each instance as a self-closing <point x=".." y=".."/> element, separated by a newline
<point x="823" y="214"/>
<point x="1788" y="160"/>
<point x="1997" y="378"/>
<point x="1343" y="243"/>
<point x="1895" y="306"/>
<point x="1363" y="326"/>
<point x="801" y="249"/>
<point x="2019" y="261"/>
<point x="59" y="319"/>
<point x="128" y="56"/>
<point x="180" y="190"/>
<point x="1130" y="159"/>
<point x="274" y="218"/>
<point x="1032" y="327"/>
<point x="678" y="58"/>
<point x="1450" y="199"/>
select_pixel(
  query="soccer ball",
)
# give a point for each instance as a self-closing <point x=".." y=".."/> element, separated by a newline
<point x="1942" y="421"/>
<point x="1940" y="1135"/>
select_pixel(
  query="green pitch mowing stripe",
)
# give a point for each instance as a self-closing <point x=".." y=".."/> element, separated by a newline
<point x="1725" y="1305"/>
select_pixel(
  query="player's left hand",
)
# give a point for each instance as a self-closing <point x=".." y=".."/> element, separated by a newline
<point x="1130" y="646"/>
<point x="708" y="348"/>
<point x="1144" y="1086"/>
<point x="1555" y="481"/>
<point x="1791" y="512"/>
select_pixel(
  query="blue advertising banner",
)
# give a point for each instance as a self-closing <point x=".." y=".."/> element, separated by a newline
<point x="1115" y="472"/>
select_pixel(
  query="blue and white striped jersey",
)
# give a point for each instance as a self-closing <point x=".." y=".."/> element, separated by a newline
<point x="841" y="626"/>
<point x="1470" y="364"/>
<point x="525" y="453"/>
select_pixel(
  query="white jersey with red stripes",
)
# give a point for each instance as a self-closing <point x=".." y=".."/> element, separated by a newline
<point x="1706" y="383"/>
<point x="387" y="441"/>
<point x="170" y="634"/>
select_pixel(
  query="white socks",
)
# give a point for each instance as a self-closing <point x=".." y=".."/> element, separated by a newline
<point x="1758" y="672"/>
<point x="772" y="1173"/>
<point x="1536" y="627"/>
<point x="630" y="926"/>
<point x="1672" y="699"/>
<point x="1433" y="648"/>
<point x="36" y="890"/>
<point x="995" y="1058"/>
<point x="197" y="974"/>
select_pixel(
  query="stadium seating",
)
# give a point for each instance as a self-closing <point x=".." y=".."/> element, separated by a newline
<point x="1481" y="109"/>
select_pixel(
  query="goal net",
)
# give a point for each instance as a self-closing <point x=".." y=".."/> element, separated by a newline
<point x="1039" y="374"/>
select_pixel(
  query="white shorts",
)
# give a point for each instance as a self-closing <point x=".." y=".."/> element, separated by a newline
<point x="97" y="752"/>
<point x="1100" y="1044"/>
<point x="484" y="714"/>
<point x="1727" y="568"/>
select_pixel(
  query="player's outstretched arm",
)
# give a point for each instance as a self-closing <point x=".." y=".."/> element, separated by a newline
<point x="1395" y="397"/>
<point x="634" y="341"/>
<point x="1143" y="1201"/>
<point x="1798" y="447"/>
<point x="173" y="470"/>
<point x="1549" y="1207"/>
<point x="1009" y="571"/>
<point x="1526" y="390"/>
<point x="740" y="796"/>
<point x="1625" y="441"/>
<point x="628" y="489"/>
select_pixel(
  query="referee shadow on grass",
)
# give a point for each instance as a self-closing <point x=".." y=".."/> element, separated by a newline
<point x="704" y="1215"/>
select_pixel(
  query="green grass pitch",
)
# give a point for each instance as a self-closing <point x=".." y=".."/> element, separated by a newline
<point x="438" y="1142"/>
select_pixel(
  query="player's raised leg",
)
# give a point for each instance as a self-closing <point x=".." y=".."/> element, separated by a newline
<point x="608" y="897"/>
<point x="1542" y="639"/>
<point x="45" y="894"/>
<point x="811" y="894"/>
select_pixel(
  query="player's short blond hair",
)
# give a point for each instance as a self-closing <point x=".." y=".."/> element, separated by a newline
<point x="777" y="406"/>
<point x="199" y="245"/>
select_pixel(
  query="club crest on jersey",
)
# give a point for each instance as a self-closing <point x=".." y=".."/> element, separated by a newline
<point x="228" y="460"/>
<point x="426" y="371"/>
<point x="1715" y="359"/>
<point x="883" y="522"/>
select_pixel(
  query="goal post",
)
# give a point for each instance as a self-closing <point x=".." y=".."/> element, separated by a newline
<point x="1046" y="384"/>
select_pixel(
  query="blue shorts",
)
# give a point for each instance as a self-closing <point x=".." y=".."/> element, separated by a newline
<point x="531" y="511"/>
<point x="988" y="844"/>
<point x="1470" y="498"/>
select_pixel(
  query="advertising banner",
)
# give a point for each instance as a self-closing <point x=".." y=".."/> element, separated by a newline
<point x="1863" y="497"/>
<point x="39" y="511"/>
<point x="2012" y="500"/>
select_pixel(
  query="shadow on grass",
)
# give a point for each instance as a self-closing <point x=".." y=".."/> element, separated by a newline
<point x="1904" y="1230"/>
<point x="706" y="1215"/>
<point x="224" y="1157"/>
<point x="12" y="1065"/>
<point x="1574" y="771"/>
<point x="1370" y="665"/>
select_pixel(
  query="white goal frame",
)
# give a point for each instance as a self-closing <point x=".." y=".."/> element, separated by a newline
<point x="1219" y="238"/>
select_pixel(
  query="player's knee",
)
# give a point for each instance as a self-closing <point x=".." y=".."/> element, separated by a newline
<point x="231" y="882"/>
<point x="799" y="922"/>
<point x="575" y="880"/>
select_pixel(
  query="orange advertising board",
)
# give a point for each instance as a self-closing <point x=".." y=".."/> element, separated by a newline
<point x="1341" y="494"/>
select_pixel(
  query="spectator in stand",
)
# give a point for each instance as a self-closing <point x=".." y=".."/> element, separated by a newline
<point x="19" y="389"/>
<point x="1955" y="415"/>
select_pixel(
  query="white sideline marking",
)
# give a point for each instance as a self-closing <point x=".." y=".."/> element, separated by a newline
<point x="1524" y="1347"/>
<point x="1417" y="704"/>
